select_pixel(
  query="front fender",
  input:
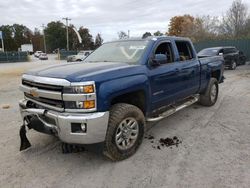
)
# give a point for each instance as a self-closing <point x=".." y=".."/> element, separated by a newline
<point x="113" y="88"/>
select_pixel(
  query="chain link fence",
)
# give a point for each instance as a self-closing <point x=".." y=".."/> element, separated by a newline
<point x="13" y="57"/>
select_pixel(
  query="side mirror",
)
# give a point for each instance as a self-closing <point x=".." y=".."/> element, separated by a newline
<point x="159" y="59"/>
<point x="220" y="54"/>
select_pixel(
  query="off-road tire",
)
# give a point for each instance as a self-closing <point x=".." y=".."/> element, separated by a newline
<point x="118" y="113"/>
<point x="205" y="98"/>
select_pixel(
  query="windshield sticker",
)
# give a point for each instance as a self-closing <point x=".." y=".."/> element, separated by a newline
<point x="137" y="47"/>
<point x="127" y="55"/>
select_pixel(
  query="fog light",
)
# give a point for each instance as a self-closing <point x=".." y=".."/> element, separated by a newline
<point x="84" y="127"/>
<point x="85" y="104"/>
<point x="78" y="127"/>
<point x="89" y="104"/>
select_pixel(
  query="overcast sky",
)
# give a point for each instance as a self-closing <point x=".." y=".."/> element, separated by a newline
<point x="108" y="16"/>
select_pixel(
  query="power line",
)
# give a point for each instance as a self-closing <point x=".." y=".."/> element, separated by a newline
<point x="67" y="30"/>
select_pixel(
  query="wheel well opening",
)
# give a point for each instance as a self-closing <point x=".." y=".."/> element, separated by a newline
<point x="216" y="74"/>
<point x="135" y="98"/>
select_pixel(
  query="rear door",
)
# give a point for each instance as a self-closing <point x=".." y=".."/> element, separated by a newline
<point x="189" y="69"/>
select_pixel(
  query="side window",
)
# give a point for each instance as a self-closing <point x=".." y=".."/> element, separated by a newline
<point x="230" y="50"/>
<point x="185" y="50"/>
<point x="166" y="49"/>
<point x="226" y="51"/>
<point x="234" y="50"/>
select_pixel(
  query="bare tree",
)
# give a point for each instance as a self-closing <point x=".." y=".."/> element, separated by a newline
<point x="205" y="28"/>
<point x="122" y="35"/>
<point x="234" y="21"/>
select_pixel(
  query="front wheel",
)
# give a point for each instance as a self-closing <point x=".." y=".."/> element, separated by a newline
<point x="125" y="131"/>
<point x="210" y="96"/>
<point x="233" y="65"/>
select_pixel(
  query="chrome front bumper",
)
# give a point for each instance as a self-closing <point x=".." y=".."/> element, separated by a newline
<point x="96" y="123"/>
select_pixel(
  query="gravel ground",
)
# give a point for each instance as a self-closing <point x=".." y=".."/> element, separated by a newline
<point x="214" y="149"/>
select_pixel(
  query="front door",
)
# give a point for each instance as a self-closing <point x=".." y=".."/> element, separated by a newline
<point x="164" y="79"/>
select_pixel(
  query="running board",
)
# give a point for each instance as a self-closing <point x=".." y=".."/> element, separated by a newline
<point x="174" y="109"/>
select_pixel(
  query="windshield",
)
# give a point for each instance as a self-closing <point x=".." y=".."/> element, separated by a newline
<point x="120" y="51"/>
<point x="208" y="52"/>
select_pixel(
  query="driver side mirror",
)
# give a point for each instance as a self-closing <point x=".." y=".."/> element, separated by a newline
<point x="158" y="59"/>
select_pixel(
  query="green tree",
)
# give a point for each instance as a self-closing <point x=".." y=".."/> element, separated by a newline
<point x="98" y="40"/>
<point x="15" y="36"/>
<point x="22" y="34"/>
<point x="9" y="42"/>
<point x="73" y="40"/>
<point x="55" y="36"/>
<point x="87" y="39"/>
<point x="158" y="33"/>
<point x="146" y="34"/>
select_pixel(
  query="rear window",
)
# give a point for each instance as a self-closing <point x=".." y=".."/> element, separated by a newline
<point x="208" y="52"/>
<point x="230" y="50"/>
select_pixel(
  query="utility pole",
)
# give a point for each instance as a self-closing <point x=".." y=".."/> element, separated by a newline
<point x="67" y="30"/>
<point x="128" y="33"/>
<point x="44" y="41"/>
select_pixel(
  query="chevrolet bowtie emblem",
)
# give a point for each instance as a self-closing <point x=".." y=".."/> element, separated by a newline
<point x="34" y="92"/>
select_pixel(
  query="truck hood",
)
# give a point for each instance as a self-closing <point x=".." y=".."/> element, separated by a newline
<point x="77" y="72"/>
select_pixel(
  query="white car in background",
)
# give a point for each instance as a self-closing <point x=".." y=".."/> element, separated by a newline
<point x="79" y="57"/>
<point x="43" y="56"/>
<point x="38" y="53"/>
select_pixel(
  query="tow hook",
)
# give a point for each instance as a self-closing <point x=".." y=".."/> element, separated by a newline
<point x="24" y="140"/>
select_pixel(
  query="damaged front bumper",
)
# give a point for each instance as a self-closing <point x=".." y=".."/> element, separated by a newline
<point x="67" y="126"/>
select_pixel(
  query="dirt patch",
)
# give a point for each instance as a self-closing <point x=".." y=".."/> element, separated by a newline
<point x="163" y="142"/>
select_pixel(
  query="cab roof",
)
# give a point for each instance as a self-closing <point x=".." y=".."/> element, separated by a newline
<point x="153" y="38"/>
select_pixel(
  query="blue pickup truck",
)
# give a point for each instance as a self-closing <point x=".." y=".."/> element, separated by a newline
<point x="109" y="97"/>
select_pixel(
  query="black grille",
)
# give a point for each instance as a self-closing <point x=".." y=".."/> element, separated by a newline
<point x="51" y="102"/>
<point x="42" y="86"/>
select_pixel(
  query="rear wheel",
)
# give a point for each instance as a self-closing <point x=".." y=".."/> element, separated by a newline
<point x="209" y="98"/>
<point x="125" y="131"/>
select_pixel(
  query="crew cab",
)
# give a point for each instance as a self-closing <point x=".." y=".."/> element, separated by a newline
<point x="118" y="89"/>
<point x="232" y="56"/>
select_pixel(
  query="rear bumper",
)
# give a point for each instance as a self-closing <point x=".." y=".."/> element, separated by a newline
<point x="60" y="123"/>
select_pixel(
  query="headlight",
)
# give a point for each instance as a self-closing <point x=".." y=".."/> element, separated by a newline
<point x="80" y="89"/>
<point x="80" y="96"/>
